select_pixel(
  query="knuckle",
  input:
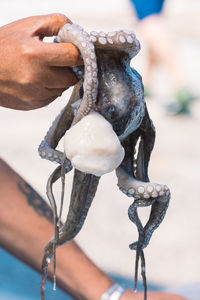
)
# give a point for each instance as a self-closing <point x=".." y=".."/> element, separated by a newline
<point x="27" y="79"/>
<point x="28" y="51"/>
<point x="61" y="17"/>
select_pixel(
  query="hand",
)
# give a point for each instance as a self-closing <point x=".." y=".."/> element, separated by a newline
<point x="130" y="295"/>
<point x="34" y="73"/>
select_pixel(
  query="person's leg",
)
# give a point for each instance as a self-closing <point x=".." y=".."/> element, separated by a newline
<point x="161" y="49"/>
<point x="145" y="8"/>
<point x="156" y="35"/>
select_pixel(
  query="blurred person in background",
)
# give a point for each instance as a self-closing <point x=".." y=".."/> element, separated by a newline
<point x="32" y="74"/>
<point x="161" y="50"/>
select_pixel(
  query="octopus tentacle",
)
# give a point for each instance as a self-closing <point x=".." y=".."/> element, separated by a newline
<point x="55" y="175"/>
<point x="139" y="189"/>
<point x="133" y="216"/>
<point x="158" y="211"/>
<point x="147" y="133"/>
<point x="47" y="148"/>
<point x="79" y="71"/>
<point x="46" y="258"/>
<point x="73" y="33"/>
<point x="62" y="175"/>
<point x="143" y="274"/>
<point x="138" y="246"/>
<point x="83" y="192"/>
<point x="124" y="40"/>
<point x="147" y="193"/>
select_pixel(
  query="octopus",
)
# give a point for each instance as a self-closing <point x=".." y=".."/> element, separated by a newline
<point x="109" y="86"/>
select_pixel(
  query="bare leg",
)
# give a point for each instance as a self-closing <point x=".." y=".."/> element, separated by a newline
<point x="161" y="49"/>
<point x="150" y="63"/>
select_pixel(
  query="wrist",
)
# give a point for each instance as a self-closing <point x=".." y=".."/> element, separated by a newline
<point x="114" y="292"/>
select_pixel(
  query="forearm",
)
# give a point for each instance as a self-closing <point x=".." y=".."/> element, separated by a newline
<point x="25" y="229"/>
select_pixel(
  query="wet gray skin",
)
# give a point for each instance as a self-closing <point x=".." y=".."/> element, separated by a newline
<point x="111" y="87"/>
<point x="120" y="91"/>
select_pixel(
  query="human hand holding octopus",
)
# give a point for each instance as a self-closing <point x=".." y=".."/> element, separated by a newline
<point x="34" y="73"/>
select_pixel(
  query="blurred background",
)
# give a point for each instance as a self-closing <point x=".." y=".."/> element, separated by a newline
<point x="172" y="257"/>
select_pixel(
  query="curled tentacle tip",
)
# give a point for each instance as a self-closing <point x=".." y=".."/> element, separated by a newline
<point x="133" y="246"/>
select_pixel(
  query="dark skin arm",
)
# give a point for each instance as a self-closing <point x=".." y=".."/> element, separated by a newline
<point x="26" y="225"/>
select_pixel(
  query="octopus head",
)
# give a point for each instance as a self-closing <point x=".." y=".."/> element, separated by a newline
<point x="121" y="100"/>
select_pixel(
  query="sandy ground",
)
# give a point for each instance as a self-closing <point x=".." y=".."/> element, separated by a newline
<point x="173" y="255"/>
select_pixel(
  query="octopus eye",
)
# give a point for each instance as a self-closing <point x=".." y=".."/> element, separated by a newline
<point x="81" y="92"/>
<point x="111" y="110"/>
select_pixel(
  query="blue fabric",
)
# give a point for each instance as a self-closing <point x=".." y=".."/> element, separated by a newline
<point x="145" y="8"/>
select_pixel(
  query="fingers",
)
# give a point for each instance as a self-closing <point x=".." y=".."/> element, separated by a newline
<point x="49" y="25"/>
<point x="55" y="83"/>
<point x="62" y="77"/>
<point x="60" y="54"/>
<point x="56" y="54"/>
<point x="49" y="95"/>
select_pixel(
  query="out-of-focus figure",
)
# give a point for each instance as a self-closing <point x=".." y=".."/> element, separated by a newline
<point x="161" y="50"/>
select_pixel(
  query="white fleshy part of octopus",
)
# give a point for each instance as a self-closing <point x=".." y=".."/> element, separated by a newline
<point x="92" y="145"/>
<point x="139" y="189"/>
<point x="75" y="34"/>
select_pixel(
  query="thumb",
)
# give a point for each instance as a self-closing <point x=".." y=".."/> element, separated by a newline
<point x="50" y="25"/>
